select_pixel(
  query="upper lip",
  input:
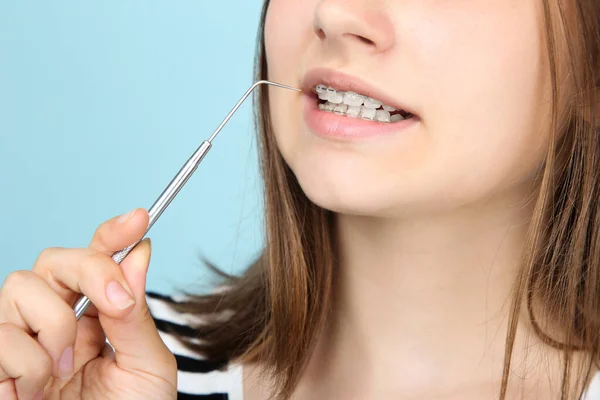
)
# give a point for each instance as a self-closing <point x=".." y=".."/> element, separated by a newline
<point x="348" y="83"/>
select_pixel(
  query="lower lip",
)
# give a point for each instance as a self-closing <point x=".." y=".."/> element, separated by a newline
<point x="333" y="126"/>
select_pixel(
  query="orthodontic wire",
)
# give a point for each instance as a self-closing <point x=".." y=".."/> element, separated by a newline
<point x="184" y="174"/>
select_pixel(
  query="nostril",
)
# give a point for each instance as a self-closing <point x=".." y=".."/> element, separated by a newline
<point x="322" y="36"/>
<point x="360" y="38"/>
<point x="365" y="40"/>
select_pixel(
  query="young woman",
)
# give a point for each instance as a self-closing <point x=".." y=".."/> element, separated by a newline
<point x="432" y="225"/>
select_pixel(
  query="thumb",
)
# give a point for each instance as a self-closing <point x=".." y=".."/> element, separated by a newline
<point x="137" y="344"/>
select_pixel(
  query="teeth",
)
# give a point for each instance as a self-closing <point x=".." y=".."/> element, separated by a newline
<point x="353" y="99"/>
<point x="325" y="92"/>
<point x="334" y="96"/>
<point x="321" y="89"/>
<point x="328" y="106"/>
<point x="372" y="103"/>
<point x="353" y="111"/>
<point x="383" y="116"/>
<point x="340" y="109"/>
<point x="328" y="93"/>
<point x="355" y="105"/>
<point x="367" y="113"/>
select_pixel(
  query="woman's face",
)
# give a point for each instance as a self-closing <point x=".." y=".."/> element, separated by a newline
<point x="474" y="72"/>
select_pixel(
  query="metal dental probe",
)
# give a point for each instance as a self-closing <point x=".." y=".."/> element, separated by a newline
<point x="163" y="201"/>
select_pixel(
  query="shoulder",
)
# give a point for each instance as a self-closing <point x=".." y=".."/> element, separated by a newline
<point x="198" y="378"/>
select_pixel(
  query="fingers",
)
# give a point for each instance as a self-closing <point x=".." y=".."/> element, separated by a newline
<point x="24" y="360"/>
<point x="28" y="303"/>
<point x="135" y="339"/>
<point x="38" y="329"/>
<point x="7" y="390"/>
<point x="89" y="342"/>
<point x="120" y="232"/>
<point x="95" y="274"/>
<point x="92" y="271"/>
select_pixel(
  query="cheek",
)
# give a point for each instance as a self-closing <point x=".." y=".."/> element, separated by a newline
<point x="288" y="33"/>
<point x="281" y="34"/>
<point x="490" y="115"/>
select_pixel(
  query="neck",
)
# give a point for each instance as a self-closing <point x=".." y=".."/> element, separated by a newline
<point x="425" y="297"/>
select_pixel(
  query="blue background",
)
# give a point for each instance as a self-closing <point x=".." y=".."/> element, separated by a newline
<point x="102" y="102"/>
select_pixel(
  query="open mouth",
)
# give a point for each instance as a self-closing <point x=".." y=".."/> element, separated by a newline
<point x="355" y="105"/>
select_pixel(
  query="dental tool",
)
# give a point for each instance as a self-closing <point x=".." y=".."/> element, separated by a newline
<point x="163" y="201"/>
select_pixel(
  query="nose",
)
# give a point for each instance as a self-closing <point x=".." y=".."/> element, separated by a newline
<point x="353" y="23"/>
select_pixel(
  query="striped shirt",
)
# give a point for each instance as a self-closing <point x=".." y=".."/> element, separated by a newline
<point x="199" y="379"/>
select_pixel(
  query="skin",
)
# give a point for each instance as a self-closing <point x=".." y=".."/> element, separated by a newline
<point x="431" y="221"/>
<point x="140" y="367"/>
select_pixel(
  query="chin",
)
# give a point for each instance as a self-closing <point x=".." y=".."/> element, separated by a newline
<point x="361" y="192"/>
<point x="344" y="204"/>
<point x="345" y="194"/>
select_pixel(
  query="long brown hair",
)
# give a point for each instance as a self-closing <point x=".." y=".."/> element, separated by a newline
<point x="281" y="302"/>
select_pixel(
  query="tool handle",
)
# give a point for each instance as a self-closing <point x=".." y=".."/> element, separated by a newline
<point x="177" y="183"/>
<point x="159" y="206"/>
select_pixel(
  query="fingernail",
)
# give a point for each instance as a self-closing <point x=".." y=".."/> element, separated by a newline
<point x="126" y="217"/>
<point x="65" y="363"/>
<point x="118" y="295"/>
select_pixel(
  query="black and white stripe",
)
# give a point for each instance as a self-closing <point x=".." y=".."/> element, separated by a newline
<point x="198" y="378"/>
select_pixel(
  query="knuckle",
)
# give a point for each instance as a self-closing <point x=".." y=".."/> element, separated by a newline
<point x="45" y="254"/>
<point x="64" y="321"/>
<point x="16" y="279"/>
<point x="43" y="259"/>
<point x="60" y="325"/>
<point x="93" y="258"/>
<point x="94" y="261"/>
<point x="35" y="365"/>
<point x="100" y="236"/>
<point x="100" y="264"/>
<point x="7" y="330"/>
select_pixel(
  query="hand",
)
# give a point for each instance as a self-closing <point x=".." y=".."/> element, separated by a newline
<point x="46" y="352"/>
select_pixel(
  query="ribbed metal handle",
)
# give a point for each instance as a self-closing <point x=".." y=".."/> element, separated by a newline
<point x="159" y="206"/>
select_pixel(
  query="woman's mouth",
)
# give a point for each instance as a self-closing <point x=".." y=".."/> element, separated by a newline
<point x="350" y="116"/>
<point x="355" y="105"/>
